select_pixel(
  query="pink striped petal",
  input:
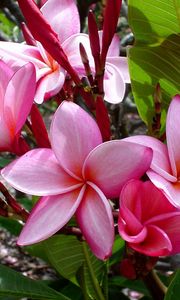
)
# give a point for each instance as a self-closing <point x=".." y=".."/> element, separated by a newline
<point x="71" y="48"/>
<point x="170" y="189"/>
<point x="50" y="85"/>
<point x="114" y="85"/>
<point x="63" y="17"/>
<point x="114" y="48"/>
<point x="129" y="236"/>
<point x="156" y="243"/>
<point x="112" y="164"/>
<point x="6" y="74"/>
<point x="95" y="219"/>
<point x="122" y="64"/>
<point x="38" y="173"/>
<point x="137" y="196"/>
<point x="16" y="55"/>
<point x="171" y="226"/>
<point x="130" y="206"/>
<point x="73" y="135"/>
<point x="19" y="98"/>
<point x="49" y="215"/>
<point x="160" y="162"/>
<point x="173" y="134"/>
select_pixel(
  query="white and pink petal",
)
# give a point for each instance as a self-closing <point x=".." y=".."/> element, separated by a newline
<point x="114" y="85"/>
<point x="160" y="161"/>
<point x="121" y="63"/>
<point x="38" y="173"/>
<point x="74" y="134"/>
<point x="173" y="134"/>
<point x="49" y="215"/>
<point x="111" y="164"/>
<point x="94" y="216"/>
<point x="63" y="17"/>
<point x="170" y="189"/>
<point x="18" y="98"/>
<point x="49" y="85"/>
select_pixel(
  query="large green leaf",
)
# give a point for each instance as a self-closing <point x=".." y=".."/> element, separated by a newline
<point x="174" y="288"/>
<point x="65" y="255"/>
<point x="14" y="284"/>
<point x="93" y="274"/>
<point x="155" y="57"/>
<point x="73" y="259"/>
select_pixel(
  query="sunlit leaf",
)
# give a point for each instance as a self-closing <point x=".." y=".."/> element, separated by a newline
<point x="155" y="56"/>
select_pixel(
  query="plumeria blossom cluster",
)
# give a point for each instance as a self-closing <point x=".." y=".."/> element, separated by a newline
<point x="50" y="75"/>
<point x="75" y="173"/>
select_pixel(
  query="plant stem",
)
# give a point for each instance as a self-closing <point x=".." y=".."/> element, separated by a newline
<point x="97" y="289"/>
<point x="18" y="209"/>
<point x="155" y="285"/>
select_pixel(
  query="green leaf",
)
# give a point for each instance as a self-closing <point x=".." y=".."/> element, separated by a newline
<point x="72" y="291"/>
<point x="118" y="250"/>
<point x="15" y="284"/>
<point x="9" y="298"/>
<point x="4" y="161"/>
<point x="93" y="272"/>
<point x="6" y="25"/>
<point x="174" y="288"/>
<point x="13" y="226"/>
<point x="26" y="203"/>
<point x="72" y="258"/>
<point x="155" y="56"/>
<point x="136" y="285"/>
<point x="37" y="250"/>
<point x="65" y="255"/>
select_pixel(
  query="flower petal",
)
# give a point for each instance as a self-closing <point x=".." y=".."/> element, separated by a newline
<point x="173" y="134"/>
<point x="127" y="235"/>
<point x="156" y="243"/>
<point x="160" y="161"/>
<point x="50" y="85"/>
<point x="49" y="215"/>
<point x="6" y="139"/>
<point x="112" y="164"/>
<point x="171" y="226"/>
<point x="57" y="12"/>
<point x="38" y="173"/>
<point x="19" y="98"/>
<point x="71" y="48"/>
<point x="170" y="189"/>
<point x="74" y="134"/>
<point x="114" y="85"/>
<point x="122" y="64"/>
<point x="16" y="55"/>
<point x="6" y="74"/>
<point x="95" y="219"/>
<point x="130" y="208"/>
<point x="114" y="48"/>
<point x="145" y="201"/>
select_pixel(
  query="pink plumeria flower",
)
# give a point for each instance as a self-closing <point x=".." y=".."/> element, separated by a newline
<point x="50" y="76"/>
<point x="164" y="171"/>
<point x="147" y="220"/>
<point x="116" y="68"/>
<point x="16" y="98"/>
<point x="76" y="176"/>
